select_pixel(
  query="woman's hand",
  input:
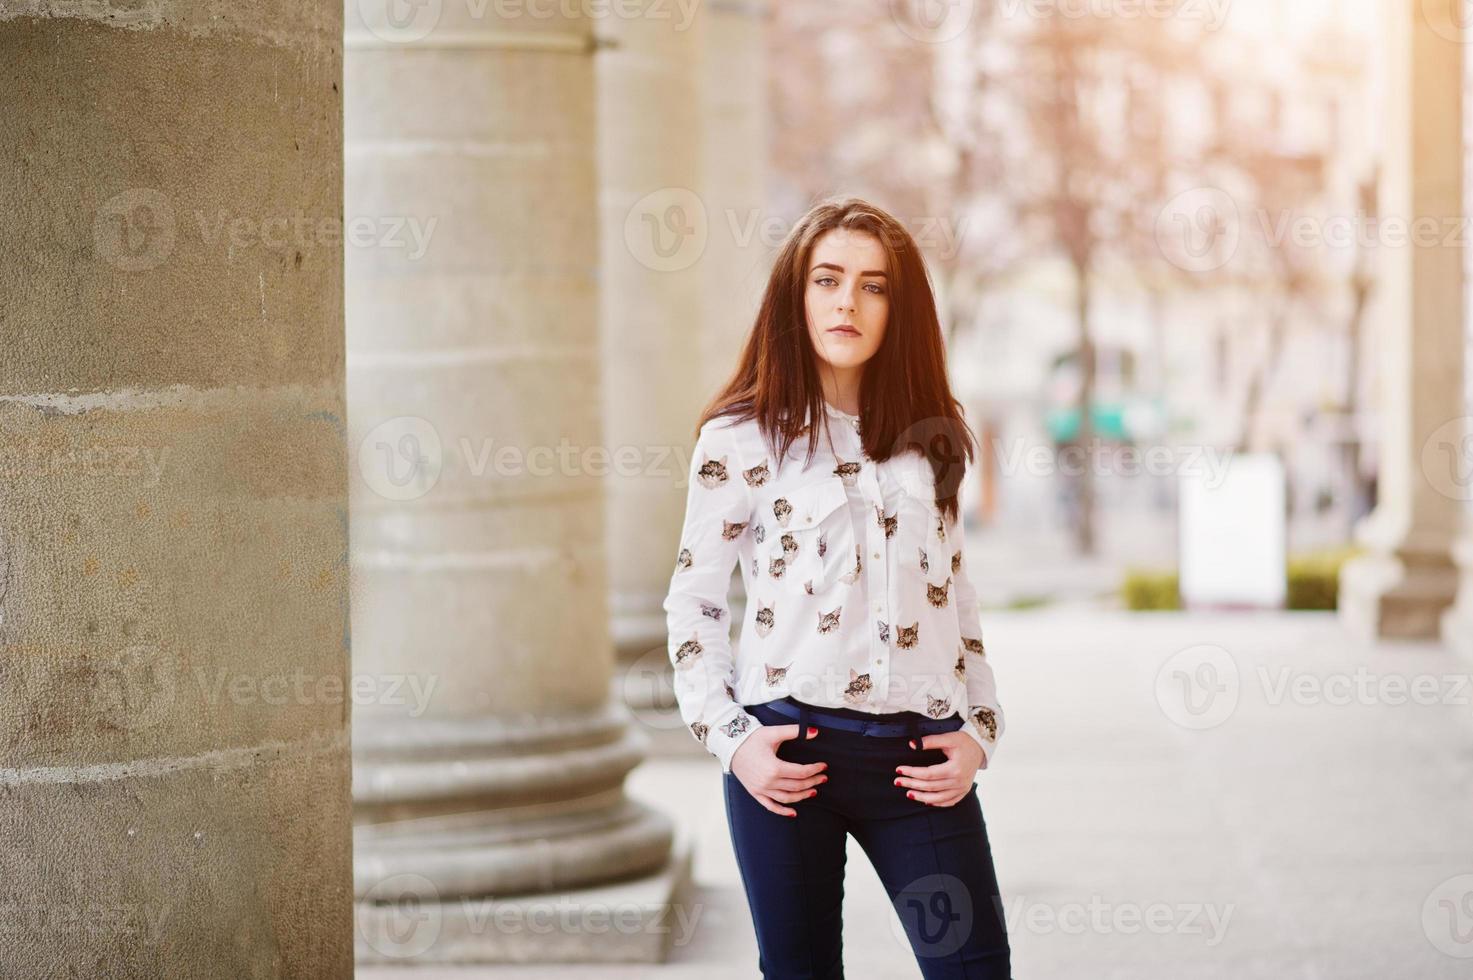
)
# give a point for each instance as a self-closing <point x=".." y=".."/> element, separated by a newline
<point x="947" y="782"/>
<point x="773" y="781"/>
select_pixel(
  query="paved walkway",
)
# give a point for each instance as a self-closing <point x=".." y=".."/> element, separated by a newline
<point x="1279" y="802"/>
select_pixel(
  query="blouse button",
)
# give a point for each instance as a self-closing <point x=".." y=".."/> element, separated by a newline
<point x="877" y="556"/>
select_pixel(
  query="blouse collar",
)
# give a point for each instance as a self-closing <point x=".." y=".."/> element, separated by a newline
<point x="835" y="413"/>
<point x="846" y="422"/>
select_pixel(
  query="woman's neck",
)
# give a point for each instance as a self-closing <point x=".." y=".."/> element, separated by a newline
<point x="843" y="392"/>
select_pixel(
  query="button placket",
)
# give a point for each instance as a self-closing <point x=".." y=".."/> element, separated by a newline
<point x="875" y="578"/>
<point x="876" y="574"/>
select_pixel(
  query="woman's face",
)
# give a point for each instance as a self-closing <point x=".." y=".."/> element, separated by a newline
<point x="847" y="297"/>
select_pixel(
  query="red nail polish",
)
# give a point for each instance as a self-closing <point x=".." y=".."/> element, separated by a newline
<point x="910" y="796"/>
<point x="897" y="782"/>
<point x="823" y="779"/>
<point x="812" y="732"/>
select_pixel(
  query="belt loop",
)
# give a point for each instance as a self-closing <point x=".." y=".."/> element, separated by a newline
<point x="802" y="720"/>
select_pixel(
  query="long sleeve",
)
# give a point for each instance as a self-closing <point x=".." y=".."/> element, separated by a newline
<point x="984" y="716"/>
<point x="717" y="514"/>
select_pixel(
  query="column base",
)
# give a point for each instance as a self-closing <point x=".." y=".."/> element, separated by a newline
<point x="1400" y="594"/>
<point x="495" y="839"/>
<point x="1457" y="622"/>
<point x="636" y="921"/>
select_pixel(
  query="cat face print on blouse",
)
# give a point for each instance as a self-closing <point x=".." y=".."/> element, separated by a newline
<point x="856" y="588"/>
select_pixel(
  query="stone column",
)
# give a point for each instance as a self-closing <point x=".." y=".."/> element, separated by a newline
<point x="655" y="228"/>
<point x="736" y="261"/>
<point x="682" y="160"/>
<point x="488" y="792"/>
<point x="174" y="769"/>
<point x="1457" y="621"/>
<point x="1407" y="581"/>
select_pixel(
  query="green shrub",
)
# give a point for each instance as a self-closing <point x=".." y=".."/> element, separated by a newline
<point x="1314" y="578"/>
<point x="1147" y="589"/>
<point x="1312" y="582"/>
<point x="1029" y="601"/>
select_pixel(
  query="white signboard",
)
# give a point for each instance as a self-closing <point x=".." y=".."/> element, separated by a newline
<point x="1232" y="534"/>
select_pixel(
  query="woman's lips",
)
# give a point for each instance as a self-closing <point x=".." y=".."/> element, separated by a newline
<point x="844" y="331"/>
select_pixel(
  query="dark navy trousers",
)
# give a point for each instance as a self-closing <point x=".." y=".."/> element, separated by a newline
<point x="935" y="861"/>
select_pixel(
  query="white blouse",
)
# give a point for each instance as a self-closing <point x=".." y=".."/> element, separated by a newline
<point x="857" y="590"/>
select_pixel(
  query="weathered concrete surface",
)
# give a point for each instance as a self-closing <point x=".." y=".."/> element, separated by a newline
<point x="174" y="776"/>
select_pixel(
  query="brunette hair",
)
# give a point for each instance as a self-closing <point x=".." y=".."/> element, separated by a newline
<point x="905" y="398"/>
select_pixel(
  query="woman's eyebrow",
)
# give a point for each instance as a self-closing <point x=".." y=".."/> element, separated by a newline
<point x="840" y="268"/>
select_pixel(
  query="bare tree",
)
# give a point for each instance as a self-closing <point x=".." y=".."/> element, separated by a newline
<point x="1091" y="165"/>
<point x="857" y="106"/>
<point x="1059" y="123"/>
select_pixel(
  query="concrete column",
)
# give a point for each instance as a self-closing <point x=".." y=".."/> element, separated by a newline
<point x="489" y="794"/>
<point x="174" y="769"/>
<point x="1403" y="587"/>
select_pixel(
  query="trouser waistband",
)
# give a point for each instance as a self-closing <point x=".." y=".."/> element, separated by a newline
<point x="914" y="724"/>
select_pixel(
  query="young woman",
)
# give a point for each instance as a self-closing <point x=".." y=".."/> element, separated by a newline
<point x="861" y="629"/>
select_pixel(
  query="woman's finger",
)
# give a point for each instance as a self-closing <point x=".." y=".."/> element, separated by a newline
<point x="930" y="775"/>
<point x="770" y="804"/>
<point x="935" y="798"/>
<point x="785" y="796"/>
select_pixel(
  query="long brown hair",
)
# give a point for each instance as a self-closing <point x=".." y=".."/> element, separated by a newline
<point x="905" y="398"/>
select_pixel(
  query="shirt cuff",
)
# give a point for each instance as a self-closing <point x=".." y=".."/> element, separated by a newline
<point x="989" y="749"/>
<point x="723" y="746"/>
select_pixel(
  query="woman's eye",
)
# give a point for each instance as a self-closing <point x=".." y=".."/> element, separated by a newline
<point x="824" y="280"/>
<point x="878" y="290"/>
